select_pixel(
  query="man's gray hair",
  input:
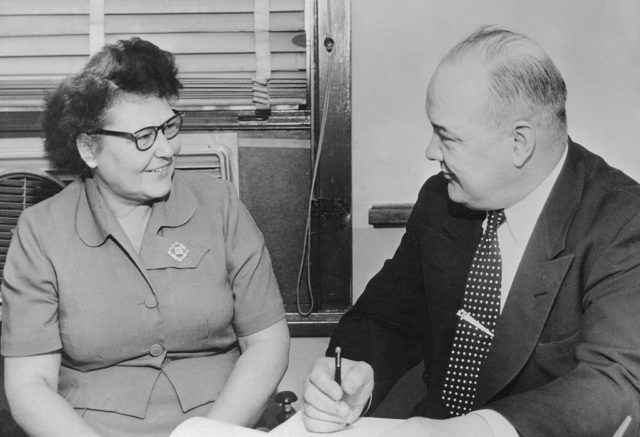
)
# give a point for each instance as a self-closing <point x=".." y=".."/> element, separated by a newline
<point x="522" y="76"/>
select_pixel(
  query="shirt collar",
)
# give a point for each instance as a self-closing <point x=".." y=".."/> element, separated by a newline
<point x="177" y="209"/>
<point x="522" y="217"/>
<point x="95" y="221"/>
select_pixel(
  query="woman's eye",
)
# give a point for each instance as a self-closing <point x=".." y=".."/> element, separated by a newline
<point x="145" y="136"/>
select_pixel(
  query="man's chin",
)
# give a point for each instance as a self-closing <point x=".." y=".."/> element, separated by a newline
<point x="455" y="193"/>
<point x="458" y="196"/>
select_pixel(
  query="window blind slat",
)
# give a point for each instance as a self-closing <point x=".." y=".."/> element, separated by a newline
<point x="193" y="6"/>
<point x="287" y="21"/>
<point x="54" y="65"/>
<point x="29" y="25"/>
<point x="37" y="7"/>
<point x="241" y="76"/>
<point x="182" y="43"/>
<point x="238" y="62"/>
<point x="174" y="23"/>
<point x="50" y="45"/>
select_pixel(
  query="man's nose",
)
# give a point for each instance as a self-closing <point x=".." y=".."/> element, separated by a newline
<point x="434" y="151"/>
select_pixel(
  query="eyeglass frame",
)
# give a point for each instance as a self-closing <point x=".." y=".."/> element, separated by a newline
<point x="134" y="138"/>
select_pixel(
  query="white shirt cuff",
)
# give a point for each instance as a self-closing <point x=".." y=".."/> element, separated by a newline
<point x="500" y="426"/>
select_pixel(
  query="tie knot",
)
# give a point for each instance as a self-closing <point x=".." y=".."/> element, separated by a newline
<point x="495" y="219"/>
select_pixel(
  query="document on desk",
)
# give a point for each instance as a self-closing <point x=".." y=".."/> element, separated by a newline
<point x="203" y="427"/>
<point x="365" y="427"/>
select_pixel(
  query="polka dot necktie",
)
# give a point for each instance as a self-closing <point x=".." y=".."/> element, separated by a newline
<point x="476" y="321"/>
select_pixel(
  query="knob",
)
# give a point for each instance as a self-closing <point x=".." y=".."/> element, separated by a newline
<point x="285" y="399"/>
<point x="329" y="43"/>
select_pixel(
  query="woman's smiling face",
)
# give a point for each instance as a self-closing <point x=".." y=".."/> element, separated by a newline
<point x="123" y="173"/>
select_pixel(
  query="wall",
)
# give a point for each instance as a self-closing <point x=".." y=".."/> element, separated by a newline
<point x="396" y="46"/>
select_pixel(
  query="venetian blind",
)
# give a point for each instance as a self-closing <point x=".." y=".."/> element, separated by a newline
<point x="236" y="54"/>
<point x="40" y="42"/>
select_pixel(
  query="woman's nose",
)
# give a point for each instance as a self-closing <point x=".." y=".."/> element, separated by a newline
<point x="164" y="147"/>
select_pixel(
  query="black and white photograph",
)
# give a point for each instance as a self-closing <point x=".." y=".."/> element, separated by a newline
<point x="358" y="218"/>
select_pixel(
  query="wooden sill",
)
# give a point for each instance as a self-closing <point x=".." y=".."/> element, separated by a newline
<point x="390" y="215"/>
<point x="315" y="325"/>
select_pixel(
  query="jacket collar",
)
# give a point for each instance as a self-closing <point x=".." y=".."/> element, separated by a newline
<point x="537" y="282"/>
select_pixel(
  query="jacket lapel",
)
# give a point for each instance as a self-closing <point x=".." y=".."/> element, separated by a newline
<point x="450" y="250"/>
<point x="536" y="284"/>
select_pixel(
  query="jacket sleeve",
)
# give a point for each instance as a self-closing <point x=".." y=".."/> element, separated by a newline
<point x="386" y="325"/>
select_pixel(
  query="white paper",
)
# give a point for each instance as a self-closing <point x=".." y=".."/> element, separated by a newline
<point x="365" y="427"/>
<point x="294" y="427"/>
<point x="203" y="427"/>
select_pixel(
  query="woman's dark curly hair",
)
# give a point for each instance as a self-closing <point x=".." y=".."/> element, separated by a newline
<point x="80" y="102"/>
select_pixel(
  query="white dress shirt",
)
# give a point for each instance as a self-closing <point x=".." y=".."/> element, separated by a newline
<point x="513" y="236"/>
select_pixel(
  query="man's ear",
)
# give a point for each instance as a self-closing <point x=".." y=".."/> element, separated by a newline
<point x="524" y="143"/>
<point x="87" y="149"/>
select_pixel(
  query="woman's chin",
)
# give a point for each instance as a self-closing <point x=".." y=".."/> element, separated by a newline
<point x="157" y="190"/>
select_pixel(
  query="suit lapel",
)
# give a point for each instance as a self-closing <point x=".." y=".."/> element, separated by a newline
<point x="536" y="284"/>
<point x="451" y="250"/>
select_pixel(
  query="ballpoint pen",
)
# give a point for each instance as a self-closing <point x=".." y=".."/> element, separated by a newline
<point x="623" y="427"/>
<point x="337" y="375"/>
<point x="464" y="315"/>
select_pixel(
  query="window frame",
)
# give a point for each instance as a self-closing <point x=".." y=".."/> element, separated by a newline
<point x="331" y="231"/>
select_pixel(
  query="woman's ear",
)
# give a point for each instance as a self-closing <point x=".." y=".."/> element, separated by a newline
<point x="87" y="149"/>
<point x="524" y="143"/>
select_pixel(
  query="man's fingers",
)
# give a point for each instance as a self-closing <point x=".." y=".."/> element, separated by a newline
<point x="315" y="425"/>
<point x="317" y="397"/>
<point x="316" y="414"/>
<point x="321" y="376"/>
<point x="358" y="376"/>
<point x="327" y="408"/>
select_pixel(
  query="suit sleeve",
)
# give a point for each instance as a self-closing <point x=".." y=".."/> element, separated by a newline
<point x="603" y="386"/>
<point x="385" y="326"/>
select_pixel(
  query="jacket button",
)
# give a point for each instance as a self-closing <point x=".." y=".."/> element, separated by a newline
<point x="151" y="301"/>
<point x="156" y="350"/>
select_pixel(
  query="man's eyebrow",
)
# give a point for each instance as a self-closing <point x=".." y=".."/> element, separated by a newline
<point x="441" y="129"/>
<point x="438" y="127"/>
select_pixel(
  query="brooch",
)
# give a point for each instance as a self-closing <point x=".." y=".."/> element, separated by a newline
<point x="178" y="251"/>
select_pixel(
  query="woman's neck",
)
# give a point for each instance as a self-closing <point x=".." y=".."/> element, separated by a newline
<point x="132" y="217"/>
<point x="134" y="224"/>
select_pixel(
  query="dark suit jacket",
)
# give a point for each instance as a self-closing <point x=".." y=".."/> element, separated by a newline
<point x="565" y="359"/>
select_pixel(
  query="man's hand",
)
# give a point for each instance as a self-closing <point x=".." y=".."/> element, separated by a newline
<point x="329" y="407"/>
<point x="472" y="425"/>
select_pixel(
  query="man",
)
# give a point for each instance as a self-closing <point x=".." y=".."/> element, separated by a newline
<point x="518" y="278"/>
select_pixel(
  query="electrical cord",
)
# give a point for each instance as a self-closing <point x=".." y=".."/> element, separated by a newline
<point x="306" y="247"/>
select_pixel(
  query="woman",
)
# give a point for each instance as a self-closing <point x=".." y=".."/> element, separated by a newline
<point x="140" y="295"/>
